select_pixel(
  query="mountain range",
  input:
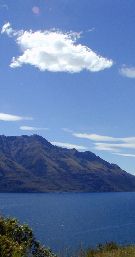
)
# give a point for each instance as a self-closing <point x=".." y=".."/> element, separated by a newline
<point x="32" y="164"/>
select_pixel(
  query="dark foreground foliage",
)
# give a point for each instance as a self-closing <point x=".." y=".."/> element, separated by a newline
<point x="17" y="240"/>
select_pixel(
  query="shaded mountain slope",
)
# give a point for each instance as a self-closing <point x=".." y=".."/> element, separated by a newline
<point x="32" y="164"/>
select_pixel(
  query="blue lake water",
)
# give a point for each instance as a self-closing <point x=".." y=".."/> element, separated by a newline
<point x="62" y="220"/>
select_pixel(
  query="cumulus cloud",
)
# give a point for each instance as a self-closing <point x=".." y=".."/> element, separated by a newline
<point x="10" y="117"/>
<point x="69" y="146"/>
<point x="128" y="72"/>
<point x="28" y="128"/>
<point x="55" y="51"/>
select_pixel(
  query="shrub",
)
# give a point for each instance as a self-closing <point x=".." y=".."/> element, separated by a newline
<point x="18" y="240"/>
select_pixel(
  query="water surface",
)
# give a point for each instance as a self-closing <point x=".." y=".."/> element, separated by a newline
<point x="62" y="220"/>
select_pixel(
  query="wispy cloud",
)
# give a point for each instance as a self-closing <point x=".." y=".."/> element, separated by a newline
<point x="94" y="137"/>
<point x="4" y="6"/>
<point x="91" y="29"/>
<point x="69" y="146"/>
<point x="125" y="154"/>
<point x="108" y="143"/>
<point x="28" y="128"/>
<point x="114" y="147"/>
<point x="36" y="10"/>
<point x="104" y="138"/>
<point x="10" y="117"/>
<point x="128" y="72"/>
<point x="67" y="130"/>
<point x="55" y="51"/>
<point x="105" y="147"/>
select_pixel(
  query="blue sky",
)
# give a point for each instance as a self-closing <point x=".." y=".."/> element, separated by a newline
<point x="68" y="74"/>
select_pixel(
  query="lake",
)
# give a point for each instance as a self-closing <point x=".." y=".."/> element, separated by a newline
<point x="62" y="220"/>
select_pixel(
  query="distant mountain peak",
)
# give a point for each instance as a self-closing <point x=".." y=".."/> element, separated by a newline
<point x="32" y="164"/>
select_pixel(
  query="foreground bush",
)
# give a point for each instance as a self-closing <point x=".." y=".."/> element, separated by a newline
<point x="17" y="240"/>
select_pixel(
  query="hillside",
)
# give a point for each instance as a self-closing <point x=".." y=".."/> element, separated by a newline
<point x="32" y="164"/>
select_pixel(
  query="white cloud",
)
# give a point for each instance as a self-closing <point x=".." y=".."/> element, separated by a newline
<point x="28" y="128"/>
<point x="105" y="147"/>
<point x="67" y="130"/>
<point x="114" y="147"/>
<point x="125" y="154"/>
<point x="36" y="10"/>
<point x="101" y="138"/>
<point x="94" y="137"/>
<point x="55" y="51"/>
<point x="107" y="143"/>
<point x="69" y="146"/>
<point x="128" y="72"/>
<point x="7" y="29"/>
<point x="10" y="117"/>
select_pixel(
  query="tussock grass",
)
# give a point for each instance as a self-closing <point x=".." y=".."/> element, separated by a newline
<point x="111" y="250"/>
<point x="125" y="252"/>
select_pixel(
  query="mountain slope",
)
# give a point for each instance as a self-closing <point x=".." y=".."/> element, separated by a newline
<point x="32" y="164"/>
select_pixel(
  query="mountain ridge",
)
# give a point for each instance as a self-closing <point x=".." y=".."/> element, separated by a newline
<point x="32" y="164"/>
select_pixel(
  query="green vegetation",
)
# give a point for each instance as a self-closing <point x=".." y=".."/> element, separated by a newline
<point x="17" y="240"/>
<point x="110" y="250"/>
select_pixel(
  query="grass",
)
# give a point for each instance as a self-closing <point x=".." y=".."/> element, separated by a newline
<point x="110" y="250"/>
<point x="122" y="252"/>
